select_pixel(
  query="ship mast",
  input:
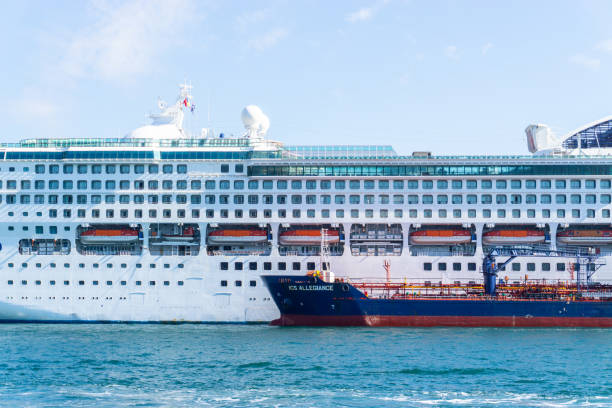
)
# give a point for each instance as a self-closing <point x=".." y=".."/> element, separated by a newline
<point x="324" y="256"/>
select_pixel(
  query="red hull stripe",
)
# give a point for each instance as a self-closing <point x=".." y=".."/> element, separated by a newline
<point x="431" y="321"/>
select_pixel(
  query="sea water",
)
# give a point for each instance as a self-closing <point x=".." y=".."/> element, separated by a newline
<point x="258" y="365"/>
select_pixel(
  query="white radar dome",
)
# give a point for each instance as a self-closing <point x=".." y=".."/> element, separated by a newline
<point x="255" y="121"/>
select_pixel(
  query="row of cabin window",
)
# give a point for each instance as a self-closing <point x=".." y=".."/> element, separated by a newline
<point x="237" y="283"/>
<point x="109" y="168"/>
<point x="96" y="265"/>
<point x="280" y="184"/>
<point x="515" y="266"/>
<point x="339" y="213"/>
<point x="108" y="184"/>
<point x="298" y="199"/>
<point x="401" y="184"/>
<point x="95" y="283"/>
<point x="107" y="199"/>
<point x="267" y="266"/>
<point x="223" y="283"/>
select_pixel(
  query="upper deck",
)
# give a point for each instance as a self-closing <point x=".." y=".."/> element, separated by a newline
<point x="165" y="139"/>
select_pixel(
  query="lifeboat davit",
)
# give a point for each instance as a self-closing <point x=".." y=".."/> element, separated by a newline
<point x="440" y="237"/>
<point x="513" y="237"/>
<point x="188" y="234"/>
<point x="307" y="237"/>
<point x="237" y="236"/>
<point x="585" y="237"/>
<point x="100" y="236"/>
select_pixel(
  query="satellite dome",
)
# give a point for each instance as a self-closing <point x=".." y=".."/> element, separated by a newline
<point x="255" y="121"/>
<point x="251" y="115"/>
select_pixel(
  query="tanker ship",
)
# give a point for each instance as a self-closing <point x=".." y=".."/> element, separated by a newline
<point x="321" y="300"/>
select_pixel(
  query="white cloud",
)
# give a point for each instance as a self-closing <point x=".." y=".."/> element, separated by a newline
<point x="486" y="48"/>
<point x="451" y="52"/>
<point x="250" y="18"/>
<point x="269" y="39"/>
<point x="125" y="40"/>
<point x="362" y="14"/>
<point x="586" y="62"/>
<point x="604" y="46"/>
<point x="365" y="13"/>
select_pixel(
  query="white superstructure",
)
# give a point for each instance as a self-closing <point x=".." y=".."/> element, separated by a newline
<point x="164" y="226"/>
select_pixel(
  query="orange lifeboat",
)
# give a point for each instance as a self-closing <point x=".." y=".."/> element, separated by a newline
<point x="307" y="237"/>
<point x="100" y="236"/>
<point x="237" y="236"/>
<point x="585" y="237"/>
<point x="440" y="237"/>
<point x="513" y="237"/>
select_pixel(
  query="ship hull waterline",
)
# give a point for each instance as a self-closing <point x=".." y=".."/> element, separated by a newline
<point x="440" y="321"/>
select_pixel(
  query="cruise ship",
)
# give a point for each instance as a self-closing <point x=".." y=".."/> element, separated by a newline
<point x="163" y="225"/>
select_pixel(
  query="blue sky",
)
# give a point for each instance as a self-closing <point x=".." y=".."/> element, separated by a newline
<point x="452" y="77"/>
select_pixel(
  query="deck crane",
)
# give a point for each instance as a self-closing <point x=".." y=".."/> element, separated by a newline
<point x="587" y="262"/>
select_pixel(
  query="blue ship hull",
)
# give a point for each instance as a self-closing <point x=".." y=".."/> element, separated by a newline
<point x="310" y="301"/>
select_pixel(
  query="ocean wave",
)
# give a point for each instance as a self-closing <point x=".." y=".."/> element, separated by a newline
<point x="452" y="371"/>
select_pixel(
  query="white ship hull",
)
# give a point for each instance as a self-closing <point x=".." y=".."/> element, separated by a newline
<point x="201" y="298"/>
